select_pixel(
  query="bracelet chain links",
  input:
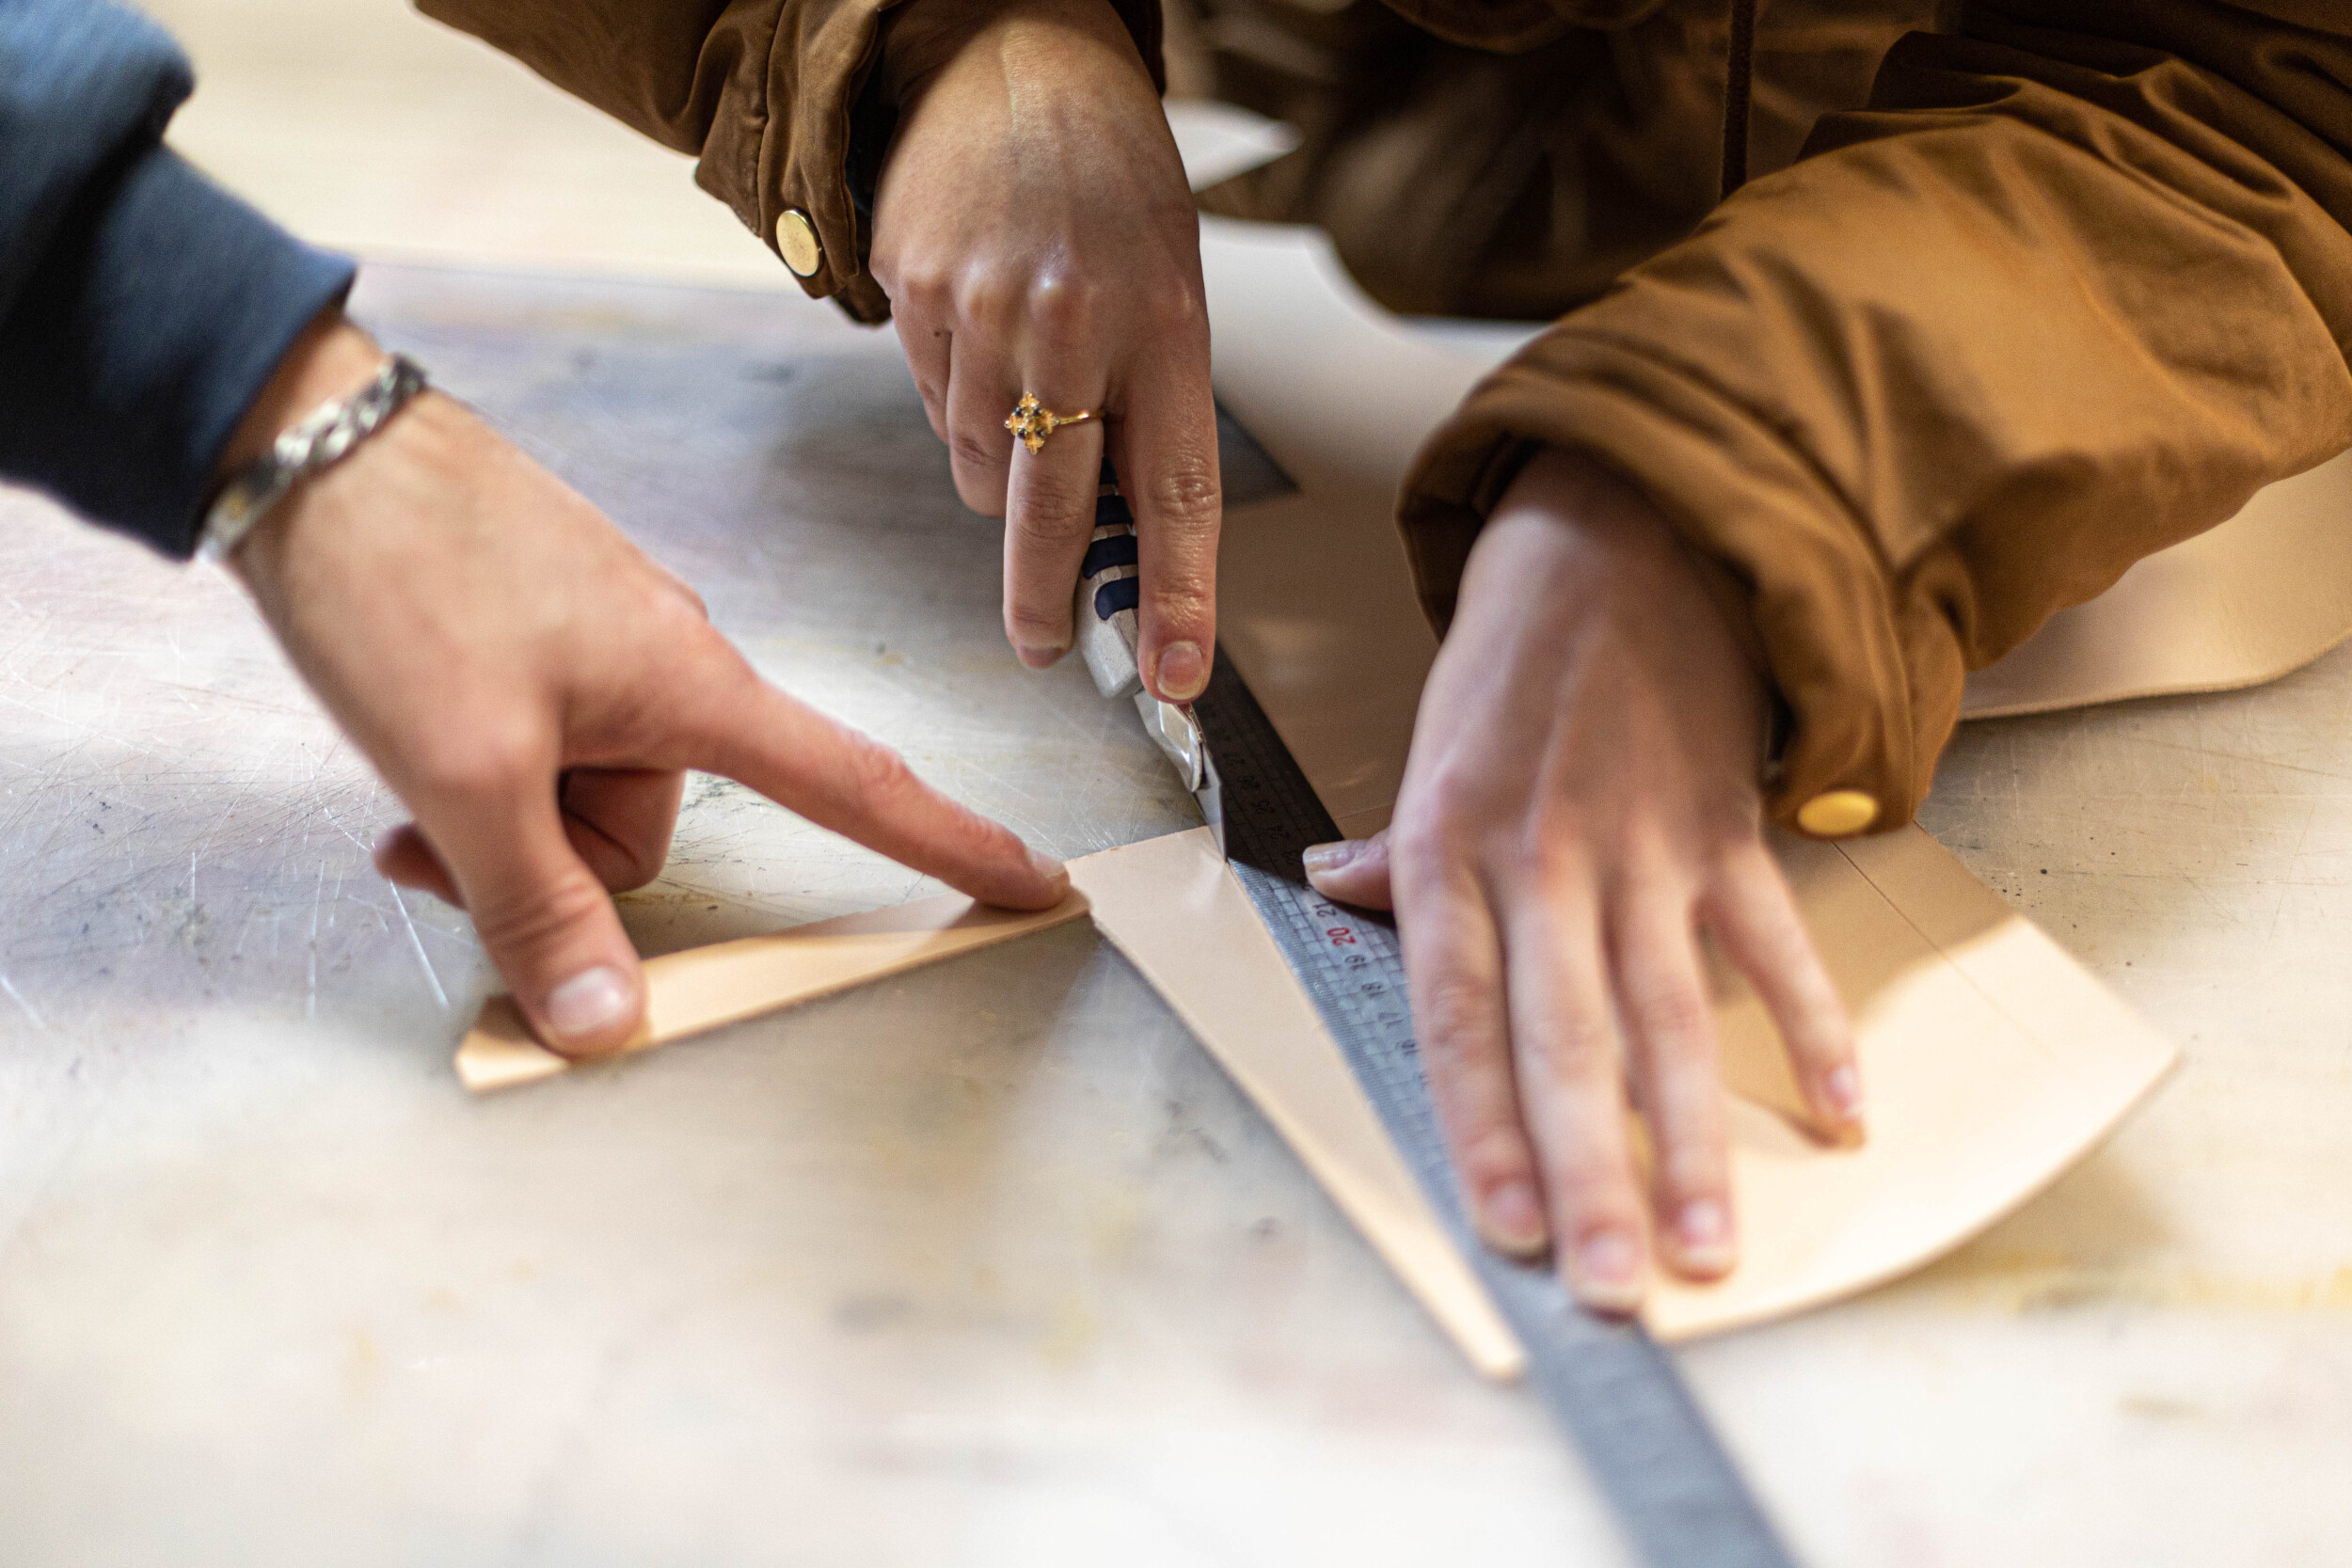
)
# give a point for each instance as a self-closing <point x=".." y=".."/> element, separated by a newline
<point x="322" y="438"/>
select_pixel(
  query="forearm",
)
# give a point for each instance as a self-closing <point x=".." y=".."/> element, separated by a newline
<point x="141" y="308"/>
<point x="2034" y="314"/>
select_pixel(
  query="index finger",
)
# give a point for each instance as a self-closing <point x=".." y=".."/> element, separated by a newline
<point x="1165" y="449"/>
<point x="856" y="787"/>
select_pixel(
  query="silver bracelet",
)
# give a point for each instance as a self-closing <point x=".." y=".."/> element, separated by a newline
<point x="322" y="440"/>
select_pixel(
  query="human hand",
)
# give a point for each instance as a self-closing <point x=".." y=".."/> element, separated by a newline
<point x="534" y="688"/>
<point x="1581" y="802"/>
<point x="1035" y="233"/>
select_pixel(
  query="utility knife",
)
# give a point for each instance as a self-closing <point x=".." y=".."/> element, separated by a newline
<point x="1105" y="619"/>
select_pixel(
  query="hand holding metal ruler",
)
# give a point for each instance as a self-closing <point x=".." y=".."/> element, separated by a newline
<point x="1608" y="1383"/>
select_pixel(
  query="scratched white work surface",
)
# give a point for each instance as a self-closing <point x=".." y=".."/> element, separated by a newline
<point x="988" y="1264"/>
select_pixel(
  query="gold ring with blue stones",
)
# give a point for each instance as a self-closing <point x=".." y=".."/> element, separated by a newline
<point x="1031" y="422"/>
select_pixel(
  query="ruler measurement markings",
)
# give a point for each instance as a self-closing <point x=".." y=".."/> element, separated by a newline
<point x="1609" y="1384"/>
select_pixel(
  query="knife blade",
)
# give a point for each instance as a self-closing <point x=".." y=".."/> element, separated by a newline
<point x="1107" y="630"/>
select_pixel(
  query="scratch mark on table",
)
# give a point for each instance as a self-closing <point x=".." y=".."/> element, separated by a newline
<point x="417" y="942"/>
<point x="18" y="997"/>
<point x="317" y="896"/>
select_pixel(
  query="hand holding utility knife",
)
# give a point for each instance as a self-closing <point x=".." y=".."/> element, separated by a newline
<point x="1106" y="634"/>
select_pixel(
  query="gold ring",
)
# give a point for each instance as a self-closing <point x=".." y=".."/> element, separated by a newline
<point x="1032" y="421"/>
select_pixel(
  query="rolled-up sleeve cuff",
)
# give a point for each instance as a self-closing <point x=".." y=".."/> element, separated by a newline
<point x="152" y="323"/>
<point x="1816" y="599"/>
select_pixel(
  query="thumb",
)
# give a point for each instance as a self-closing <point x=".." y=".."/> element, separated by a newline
<point x="546" y="921"/>
<point x="1352" y="871"/>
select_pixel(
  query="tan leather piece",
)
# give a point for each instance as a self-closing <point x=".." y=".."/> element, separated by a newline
<point x="1989" y="1060"/>
<point x="1171" y="907"/>
<point x="704" y="988"/>
<point x="2266" y="592"/>
<point x="1992" y="1062"/>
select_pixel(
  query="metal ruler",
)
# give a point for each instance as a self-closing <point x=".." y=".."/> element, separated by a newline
<point x="1609" y="1384"/>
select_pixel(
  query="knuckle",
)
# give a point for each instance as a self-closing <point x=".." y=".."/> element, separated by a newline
<point x="1180" y="605"/>
<point x="530" y="923"/>
<point x="1670" y="1011"/>
<point x="1689" y="1167"/>
<point x="464" y="761"/>
<point x="1491" y="1155"/>
<point x="1450" y="808"/>
<point x="1032" y="625"/>
<point x="1556" y="849"/>
<point x="981" y="453"/>
<point x="1052" y="513"/>
<point x="1176" y="310"/>
<point x="1596" y="1196"/>
<point x="982" y="295"/>
<point x="1425" y="846"/>
<point x="1457" y="1024"/>
<point x="675" y="608"/>
<point x="1184" y="494"/>
<point x="1731" y="826"/>
<point x="875" y="775"/>
<point x="1578" y="1050"/>
<point x="922" y="288"/>
<point x="634" y="866"/>
<point x="1063" y="307"/>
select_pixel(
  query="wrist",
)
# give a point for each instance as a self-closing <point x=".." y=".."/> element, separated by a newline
<point x="1636" y="545"/>
<point x="926" y="37"/>
<point x="332" y="367"/>
<point x="1566" y="487"/>
<point x="331" y="358"/>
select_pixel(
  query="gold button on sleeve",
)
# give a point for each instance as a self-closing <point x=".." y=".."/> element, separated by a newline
<point x="1838" y="814"/>
<point x="796" y="242"/>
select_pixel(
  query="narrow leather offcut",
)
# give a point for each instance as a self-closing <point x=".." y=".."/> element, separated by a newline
<point x="704" y="988"/>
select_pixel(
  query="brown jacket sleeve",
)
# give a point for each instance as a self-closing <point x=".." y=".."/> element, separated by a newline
<point x="2073" y="285"/>
<point x="760" y="92"/>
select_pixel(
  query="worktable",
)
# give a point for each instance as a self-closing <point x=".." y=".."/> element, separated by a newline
<point x="988" y="1264"/>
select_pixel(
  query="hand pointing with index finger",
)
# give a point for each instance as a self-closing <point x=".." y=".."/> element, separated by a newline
<point x="1036" y="235"/>
<point x="533" y="689"/>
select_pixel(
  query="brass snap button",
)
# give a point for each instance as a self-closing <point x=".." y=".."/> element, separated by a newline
<point x="796" y="242"/>
<point x="1838" y="814"/>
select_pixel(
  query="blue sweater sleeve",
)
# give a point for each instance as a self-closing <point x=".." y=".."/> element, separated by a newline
<point x="141" y="306"/>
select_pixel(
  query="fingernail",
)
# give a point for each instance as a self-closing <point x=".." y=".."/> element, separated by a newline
<point x="1048" y="867"/>
<point x="1513" y="1220"/>
<point x="1703" y="1236"/>
<point x="1328" y="857"/>
<point x="592" y="1000"/>
<point x="1183" y="674"/>
<point x="1039" y="658"/>
<point x="1845" y="1091"/>
<point x="1606" y="1273"/>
